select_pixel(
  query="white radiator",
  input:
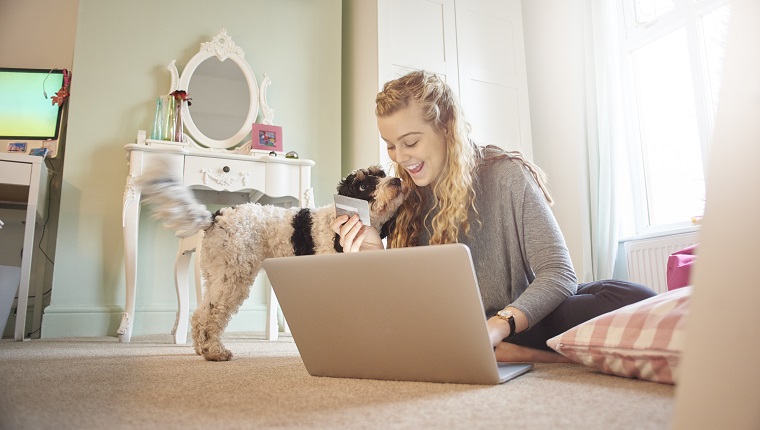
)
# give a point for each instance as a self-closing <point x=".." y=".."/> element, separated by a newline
<point x="648" y="258"/>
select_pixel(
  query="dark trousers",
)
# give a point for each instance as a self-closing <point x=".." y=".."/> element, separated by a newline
<point x="591" y="300"/>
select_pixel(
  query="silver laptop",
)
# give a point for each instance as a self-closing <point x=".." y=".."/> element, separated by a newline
<point x="410" y="314"/>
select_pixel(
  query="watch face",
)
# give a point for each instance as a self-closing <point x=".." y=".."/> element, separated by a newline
<point x="505" y="313"/>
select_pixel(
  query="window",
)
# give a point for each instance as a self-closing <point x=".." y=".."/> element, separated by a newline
<point x="672" y="56"/>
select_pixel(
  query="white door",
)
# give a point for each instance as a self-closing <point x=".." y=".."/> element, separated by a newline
<point x="492" y="73"/>
<point x="477" y="46"/>
<point x="416" y="34"/>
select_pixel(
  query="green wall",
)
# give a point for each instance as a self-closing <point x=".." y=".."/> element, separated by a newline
<point x="120" y="57"/>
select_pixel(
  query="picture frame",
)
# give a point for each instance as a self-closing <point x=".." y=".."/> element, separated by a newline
<point x="17" y="147"/>
<point x="265" y="137"/>
<point x="40" y="152"/>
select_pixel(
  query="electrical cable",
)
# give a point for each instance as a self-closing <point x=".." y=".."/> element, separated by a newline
<point x="44" y="93"/>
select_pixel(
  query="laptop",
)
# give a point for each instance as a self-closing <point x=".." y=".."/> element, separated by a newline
<point x="407" y="314"/>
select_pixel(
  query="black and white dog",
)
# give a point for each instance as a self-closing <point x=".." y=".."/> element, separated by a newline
<point x="238" y="239"/>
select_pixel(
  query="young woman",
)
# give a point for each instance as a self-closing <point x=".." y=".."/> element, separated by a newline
<point x="496" y="203"/>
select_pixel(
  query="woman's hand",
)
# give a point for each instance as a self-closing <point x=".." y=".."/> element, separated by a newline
<point x="355" y="236"/>
<point x="498" y="329"/>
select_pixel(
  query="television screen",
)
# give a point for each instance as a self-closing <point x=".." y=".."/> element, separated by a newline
<point x="26" y="107"/>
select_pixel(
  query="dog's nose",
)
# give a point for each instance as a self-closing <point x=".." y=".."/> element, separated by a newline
<point x="396" y="182"/>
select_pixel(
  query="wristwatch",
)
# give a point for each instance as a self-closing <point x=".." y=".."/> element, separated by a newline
<point x="509" y="317"/>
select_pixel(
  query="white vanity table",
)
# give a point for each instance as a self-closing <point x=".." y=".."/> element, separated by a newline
<point x="232" y="179"/>
<point x="220" y="171"/>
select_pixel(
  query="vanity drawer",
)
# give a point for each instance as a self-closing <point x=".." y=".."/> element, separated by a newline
<point x="13" y="173"/>
<point x="224" y="174"/>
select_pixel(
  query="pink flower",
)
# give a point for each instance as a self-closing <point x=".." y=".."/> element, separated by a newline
<point x="181" y="95"/>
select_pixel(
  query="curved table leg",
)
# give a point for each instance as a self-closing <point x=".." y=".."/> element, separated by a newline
<point x="181" y="283"/>
<point x="198" y="278"/>
<point x="130" y="225"/>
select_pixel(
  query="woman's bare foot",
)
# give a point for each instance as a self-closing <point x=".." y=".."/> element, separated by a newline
<point x="509" y="352"/>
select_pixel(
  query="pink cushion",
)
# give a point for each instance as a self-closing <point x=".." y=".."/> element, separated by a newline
<point x="679" y="267"/>
<point x="643" y="340"/>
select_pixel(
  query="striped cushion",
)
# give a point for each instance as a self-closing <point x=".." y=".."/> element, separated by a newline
<point x="643" y="340"/>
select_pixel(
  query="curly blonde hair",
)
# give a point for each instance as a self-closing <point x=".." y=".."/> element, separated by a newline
<point x="454" y="192"/>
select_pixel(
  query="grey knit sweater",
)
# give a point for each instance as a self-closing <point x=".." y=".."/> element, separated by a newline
<point x="518" y="250"/>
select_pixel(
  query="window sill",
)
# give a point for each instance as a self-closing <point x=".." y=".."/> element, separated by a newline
<point x="661" y="233"/>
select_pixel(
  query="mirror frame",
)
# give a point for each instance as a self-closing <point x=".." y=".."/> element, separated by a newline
<point x="223" y="48"/>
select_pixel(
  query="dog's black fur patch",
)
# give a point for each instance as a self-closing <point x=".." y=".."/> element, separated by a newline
<point x="336" y="243"/>
<point x="216" y="215"/>
<point x="388" y="227"/>
<point x="302" y="239"/>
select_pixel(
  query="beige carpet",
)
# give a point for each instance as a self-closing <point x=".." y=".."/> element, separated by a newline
<point x="99" y="383"/>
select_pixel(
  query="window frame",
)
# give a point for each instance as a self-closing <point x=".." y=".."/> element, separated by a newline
<point x="686" y="14"/>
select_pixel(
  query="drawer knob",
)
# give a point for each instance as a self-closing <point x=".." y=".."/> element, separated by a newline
<point x="226" y="169"/>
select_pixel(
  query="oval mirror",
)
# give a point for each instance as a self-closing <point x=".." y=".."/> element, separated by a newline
<point x="224" y="93"/>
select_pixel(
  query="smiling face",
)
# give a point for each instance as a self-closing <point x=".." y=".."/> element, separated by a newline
<point x="414" y="144"/>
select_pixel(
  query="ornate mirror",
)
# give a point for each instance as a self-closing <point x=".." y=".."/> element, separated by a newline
<point x="224" y="93"/>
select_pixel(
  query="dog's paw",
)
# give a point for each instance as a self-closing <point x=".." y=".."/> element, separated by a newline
<point x="216" y="354"/>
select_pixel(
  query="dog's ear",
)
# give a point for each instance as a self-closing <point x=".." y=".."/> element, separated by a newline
<point x="343" y="182"/>
<point x="347" y="181"/>
<point x="345" y="186"/>
<point x="377" y="170"/>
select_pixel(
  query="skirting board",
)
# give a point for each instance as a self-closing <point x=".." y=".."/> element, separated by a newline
<point x="79" y="321"/>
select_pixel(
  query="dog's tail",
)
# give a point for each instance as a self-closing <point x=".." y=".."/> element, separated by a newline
<point x="173" y="203"/>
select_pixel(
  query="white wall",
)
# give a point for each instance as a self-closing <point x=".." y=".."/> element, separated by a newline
<point x="23" y="43"/>
<point x="554" y="51"/>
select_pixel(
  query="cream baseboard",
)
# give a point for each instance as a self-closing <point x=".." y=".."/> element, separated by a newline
<point x="89" y="321"/>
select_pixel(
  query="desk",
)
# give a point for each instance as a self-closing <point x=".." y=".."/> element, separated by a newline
<point x="24" y="186"/>
<point x="222" y="178"/>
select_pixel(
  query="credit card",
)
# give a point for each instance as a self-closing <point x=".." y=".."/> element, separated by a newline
<point x="349" y="206"/>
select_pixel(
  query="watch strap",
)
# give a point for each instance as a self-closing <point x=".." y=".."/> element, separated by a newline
<point x="509" y="318"/>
